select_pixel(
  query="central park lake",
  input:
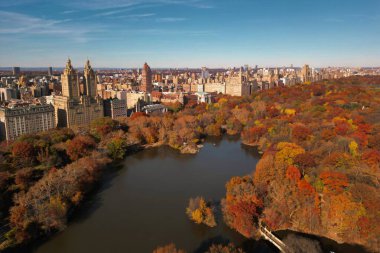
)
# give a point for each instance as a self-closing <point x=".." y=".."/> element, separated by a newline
<point x="141" y="204"/>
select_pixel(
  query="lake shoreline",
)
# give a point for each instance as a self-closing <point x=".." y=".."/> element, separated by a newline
<point x="104" y="178"/>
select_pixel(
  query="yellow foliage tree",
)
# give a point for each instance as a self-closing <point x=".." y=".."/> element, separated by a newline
<point x="290" y="112"/>
<point x="287" y="151"/>
<point x="200" y="212"/>
<point x="197" y="216"/>
<point x="353" y="146"/>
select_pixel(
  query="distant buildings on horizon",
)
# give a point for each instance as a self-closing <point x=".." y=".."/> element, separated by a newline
<point x="33" y="101"/>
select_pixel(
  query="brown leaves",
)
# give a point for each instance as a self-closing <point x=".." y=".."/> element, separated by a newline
<point x="80" y="146"/>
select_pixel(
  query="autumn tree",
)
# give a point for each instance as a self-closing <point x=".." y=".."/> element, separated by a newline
<point x="23" y="154"/>
<point x="300" y="132"/>
<point x="242" y="206"/>
<point x="103" y="126"/>
<point x="200" y="211"/>
<point x="333" y="182"/>
<point x="80" y="146"/>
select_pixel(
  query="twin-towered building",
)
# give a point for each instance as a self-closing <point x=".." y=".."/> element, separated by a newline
<point x="77" y="105"/>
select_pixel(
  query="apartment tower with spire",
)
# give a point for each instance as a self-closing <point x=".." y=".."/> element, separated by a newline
<point x="76" y="106"/>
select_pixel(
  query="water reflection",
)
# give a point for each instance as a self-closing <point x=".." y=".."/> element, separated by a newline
<point x="142" y="205"/>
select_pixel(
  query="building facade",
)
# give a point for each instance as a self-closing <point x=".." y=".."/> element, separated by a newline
<point x="115" y="108"/>
<point x="146" y="82"/>
<point x="74" y="108"/>
<point x="25" y="119"/>
<point x="306" y="74"/>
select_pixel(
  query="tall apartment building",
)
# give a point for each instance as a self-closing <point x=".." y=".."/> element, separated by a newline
<point x="146" y="82"/>
<point x="74" y="108"/>
<point x="306" y="74"/>
<point x="22" y="119"/>
<point x="236" y="84"/>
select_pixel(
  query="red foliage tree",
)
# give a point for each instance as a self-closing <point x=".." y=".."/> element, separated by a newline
<point x="137" y="115"/>
<point x="328" y="134"/>
<point x="23" y="154"/>
<point x="292" y="173"/>
<point x="342" y="128"/>
<point x="244" y="215"/>
<point x="80" y="146"/>
<point x="253" y="134"/>
<point x="305" y="160"/>
<point x="334" y="182"/>
<point x="300" y="132"/>
<point x="306" y="188"/>
<point x="372" y="158"/>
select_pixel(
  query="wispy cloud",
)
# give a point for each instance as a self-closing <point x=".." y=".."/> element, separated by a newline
<point x="134" y="16"/>
<point x="144" y="15"/>
<point x="9" y="3"/>
<point x="170" y="32"/>
<point x="123" y="10"/>
<point x="115" y="4"/>
<point x="69" y="11"/>
<point x="18" y="24"/>
<point x="170" y="19"/>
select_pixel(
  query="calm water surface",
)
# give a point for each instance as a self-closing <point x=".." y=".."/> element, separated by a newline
<point x="142" y="205"/>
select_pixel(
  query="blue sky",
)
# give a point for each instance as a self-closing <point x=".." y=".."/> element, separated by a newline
<point x="190" y="33"/>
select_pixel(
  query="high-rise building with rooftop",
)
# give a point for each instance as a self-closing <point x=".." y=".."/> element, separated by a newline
<point x="73" y="107"/>
<point x="306" y="74"/>
<point x="146" y="82"/>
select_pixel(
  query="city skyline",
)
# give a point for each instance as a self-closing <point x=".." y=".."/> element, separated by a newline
<point x="179" y="34"/>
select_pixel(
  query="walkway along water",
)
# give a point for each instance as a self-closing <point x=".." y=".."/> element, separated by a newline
<point x="267" y="234"/>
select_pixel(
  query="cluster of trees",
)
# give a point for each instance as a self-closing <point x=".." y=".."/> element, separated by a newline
<point x="44" y="207"/>
<point x="242" y="206"/>
<point x="200" y="211"/>
<point x="319" y="172"/>
<point x="45" y="176"/>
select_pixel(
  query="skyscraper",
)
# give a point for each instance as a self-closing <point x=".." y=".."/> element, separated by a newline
<point x="74" y="108"/>
<point x="70" y="82"/>
<point x="16" y="71"/>
<point x="306" y="74"/>
<point x="146" y="82"/>
<point x="89" y="85"/>
<point x="50" y="71"/>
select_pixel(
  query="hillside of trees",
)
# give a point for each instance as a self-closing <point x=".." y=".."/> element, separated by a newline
<point x="319" y="172"/>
